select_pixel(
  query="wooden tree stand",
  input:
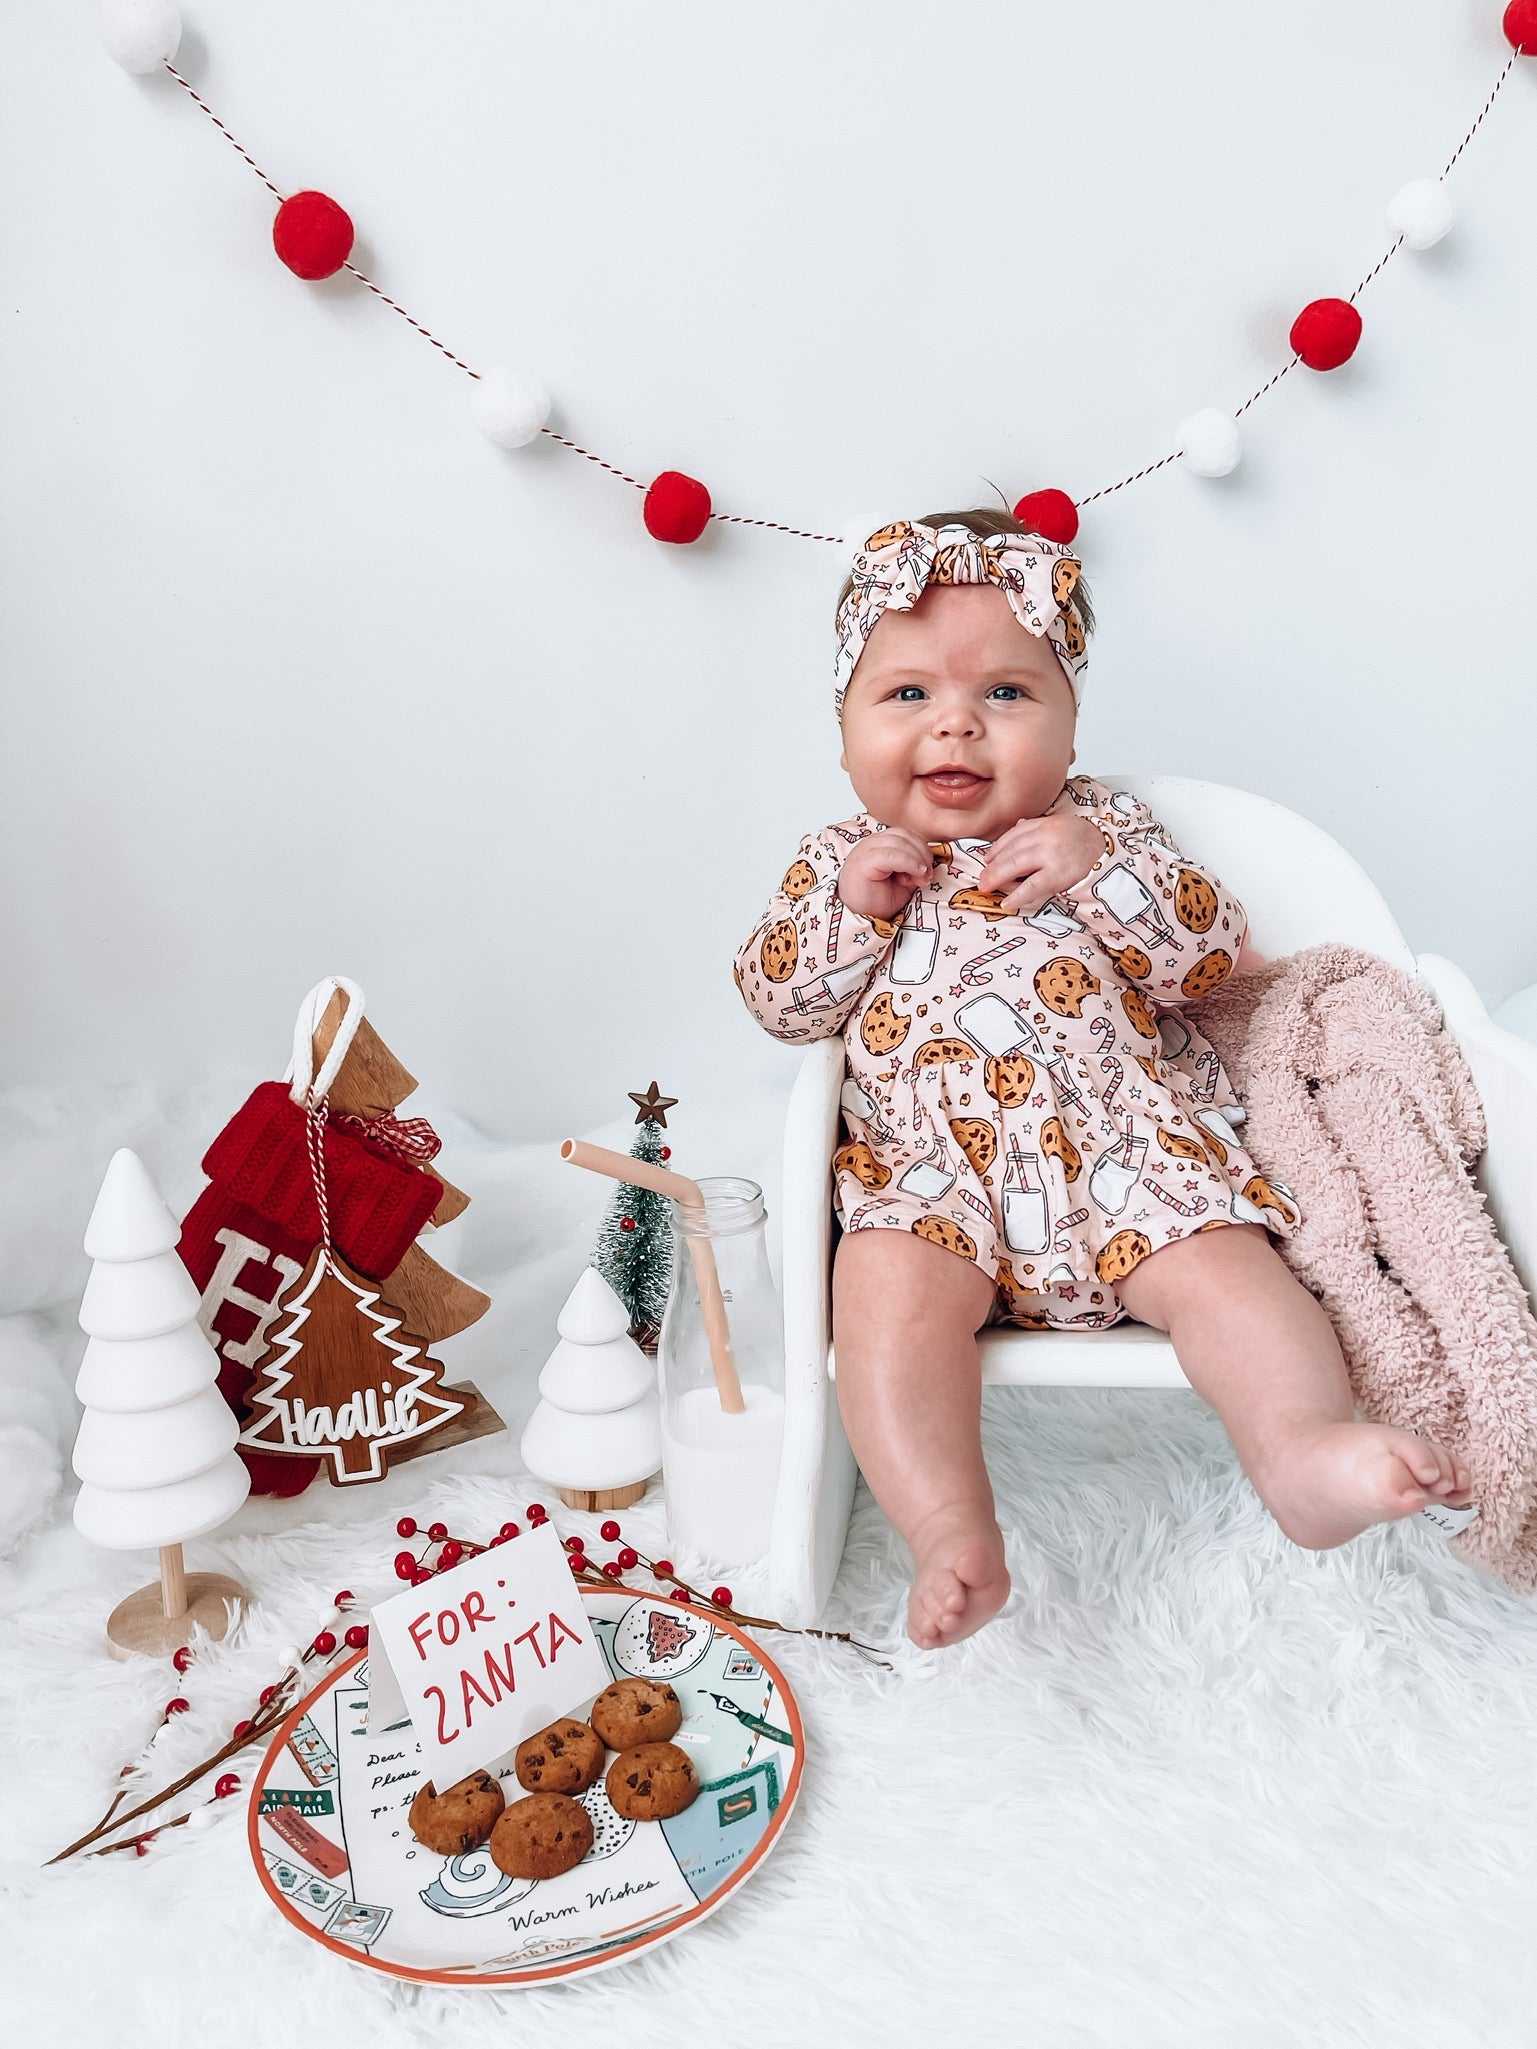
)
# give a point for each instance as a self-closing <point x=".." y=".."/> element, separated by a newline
<point x="160" y="1618"/>
<point x="603" y="1497"/>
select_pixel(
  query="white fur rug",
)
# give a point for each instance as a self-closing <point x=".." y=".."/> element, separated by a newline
<point x="1195" y="1787"/>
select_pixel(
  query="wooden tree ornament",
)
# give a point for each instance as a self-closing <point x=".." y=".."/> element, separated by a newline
<point x="155" y="1452"/>
<point x="325" y="1322"/>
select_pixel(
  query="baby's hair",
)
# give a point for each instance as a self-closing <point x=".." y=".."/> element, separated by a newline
<point x="986" y="519"/>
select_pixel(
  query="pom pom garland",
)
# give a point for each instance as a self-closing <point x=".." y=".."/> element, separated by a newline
<point x="1520" y="25"/>
<point x="677" y="508"/>
<point x="141" y="35"/>
<point x="1209" y="442"/>
<point x="508" y="408"/>
<point x="1324" y="334"/>
<point x="312" y="235"/>
<point x="1051" y="514"/>
<point x="1421" y="212"/>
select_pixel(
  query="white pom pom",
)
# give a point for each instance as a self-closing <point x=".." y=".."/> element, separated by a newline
<point x="289" y="1657"/>
<point x="508" y="408"/>
<point x="1209" y="442"/>
<point x="201" y="1818"/>
<point x="141" y="35"/>
<point x="1421" y="212"/>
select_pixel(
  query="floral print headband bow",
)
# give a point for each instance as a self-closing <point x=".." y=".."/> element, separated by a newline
<point x="898" y="561"/>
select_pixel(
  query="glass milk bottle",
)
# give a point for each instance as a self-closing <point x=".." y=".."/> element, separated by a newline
<point x="720" y="1470"/>
<point x="1026" y="1222"/>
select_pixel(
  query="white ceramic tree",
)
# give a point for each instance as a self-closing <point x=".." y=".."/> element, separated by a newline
<point x="596" y="1434"/>
<point x="155" y="1450"/>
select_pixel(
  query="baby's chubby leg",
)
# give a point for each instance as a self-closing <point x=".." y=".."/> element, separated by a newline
<point x="909" y="1381"/>
<point x="1259" y="1348"/>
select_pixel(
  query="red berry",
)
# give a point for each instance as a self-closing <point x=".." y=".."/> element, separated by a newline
<point x="571" y="1543"/>
<point x="578" y="1563"/>
<point x="225" y="1784"/>
<point x="613" y="1569"/>
<point x="665" y="1153"/>
<point x="241" y="1729"/>
<point x="182" y="1659"/>
<point x="406" y="1527"/>
<point x="609" y="1531"/>
<point x="627" y="1223"/>
<point x="356" y="1637"/>
<point x="325" y="1643"/>
<point x="141" y="1844"/>
<point x="509" y="1530"/>
<point x="265" y="1695"/>
<point x="178" y="1706"/>
<point x="437" y="1532"/>
<point x="663" y="1568"/>
<point x="721" y="1597"/>
<point x="678" y="1594"/>
<point x="405" y="1565"/>
<point x="452" y="1553"/>
<point x="536" y="1512"/>
<point x="342" y="1599"/>
<point x="420" y="1577"/>
<point x="629" y="1559"/>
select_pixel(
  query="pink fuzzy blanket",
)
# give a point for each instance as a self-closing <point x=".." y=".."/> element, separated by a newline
<point x="1362" y="1102"/>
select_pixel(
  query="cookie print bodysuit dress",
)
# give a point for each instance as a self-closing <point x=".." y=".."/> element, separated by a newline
<point x="1024" y="1092"/>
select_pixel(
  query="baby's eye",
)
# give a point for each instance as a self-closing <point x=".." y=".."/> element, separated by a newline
<point x="1009" y="691"/>
<point x="909" y="693"/>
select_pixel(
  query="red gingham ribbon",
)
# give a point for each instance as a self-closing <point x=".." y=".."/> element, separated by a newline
<point x="411" y="1139"/>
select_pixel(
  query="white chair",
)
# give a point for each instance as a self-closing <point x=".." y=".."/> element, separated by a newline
<point x="1300" y="889"/>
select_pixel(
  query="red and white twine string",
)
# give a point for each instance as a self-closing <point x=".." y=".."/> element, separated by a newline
<point x="316" y="1111"/>
<point x="774" y="525"/>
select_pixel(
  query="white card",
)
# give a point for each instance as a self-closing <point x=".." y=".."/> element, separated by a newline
<point x="484" y="1654"/>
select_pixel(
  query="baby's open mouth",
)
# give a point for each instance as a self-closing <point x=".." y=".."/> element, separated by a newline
<point x="953" y="785"/>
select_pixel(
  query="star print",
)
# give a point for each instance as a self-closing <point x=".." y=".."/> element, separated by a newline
<point x="1014" y="970"/>
<point x="956" y="924"/>
<point x="1140" y="1216"/>
<point x="956" y="989"/>
<point x="1135" y="1094"/>
<point x="1166" y="984"/>
<point x="952" y="949"/>
<point x="1051" y="946"/>
<point x="1106" y="1125"/>
<point x="1070" y="1294"/>
<point x="965" y="1066"/>
<point x="1038" y="1101"/>
<point x="653" y="1106"/>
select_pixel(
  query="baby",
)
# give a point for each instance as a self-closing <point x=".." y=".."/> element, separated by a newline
<point x="1036" y="1135"/>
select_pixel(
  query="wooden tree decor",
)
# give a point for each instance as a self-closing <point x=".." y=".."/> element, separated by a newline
<point x="343" y="1378"/>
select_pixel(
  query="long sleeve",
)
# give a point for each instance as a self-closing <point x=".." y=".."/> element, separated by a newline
<point x="1174" y="926"/>
<point x="809" y="959"/>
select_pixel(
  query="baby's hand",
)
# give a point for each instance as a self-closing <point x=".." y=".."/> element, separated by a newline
<point x="1039" y="856"/>
<point x="881" y="873"/>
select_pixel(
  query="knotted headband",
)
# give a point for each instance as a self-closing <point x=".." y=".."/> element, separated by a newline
<point x="899" y="561"/>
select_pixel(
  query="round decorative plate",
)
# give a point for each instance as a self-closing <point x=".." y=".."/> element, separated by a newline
<point x="333" y="1849"/>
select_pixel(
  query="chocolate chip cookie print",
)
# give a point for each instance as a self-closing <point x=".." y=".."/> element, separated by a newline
<point x="1023" y="1092"/>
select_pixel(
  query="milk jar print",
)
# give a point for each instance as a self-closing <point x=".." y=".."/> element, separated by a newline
<point x="1114" y="1174"/>
<point x="1129" y="900"/>
<point x="917" y="947"/>
<point x="1026" y="1223"/>
<point x="997" y="1027"/>
<point x="829" y="990"/>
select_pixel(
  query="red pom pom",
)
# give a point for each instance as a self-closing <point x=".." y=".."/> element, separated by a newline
<point x="405" y="1565"/>
<point x="312" y="235"/>
<point x="438" y="1532"/>
<point x="177" y="1706"/>
<point x="663" y="1568"/>
<point x="1521" y="27"/>
<point x="677" y="507"/>
<point x="182" y="1659"/>
<point x="1325" y="333"/>
<point x="1051" y="514"/>
<point x="608" y="1531"/>
<point x="722" y="1597"/>
<point x="406" y="1527"/>
<point x="628" y="1559"/>
<point x="508" y="1530"/>
<point x="356" y="1637"/>
<point x="225" y="1784"/>
<point x="324" y="1644"/>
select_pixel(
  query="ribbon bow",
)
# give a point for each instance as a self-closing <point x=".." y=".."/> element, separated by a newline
<point x="410" y="1139"/>
<point x="898" y="561"/>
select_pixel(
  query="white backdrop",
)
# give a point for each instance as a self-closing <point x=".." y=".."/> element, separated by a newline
<point x="303" y="675"/>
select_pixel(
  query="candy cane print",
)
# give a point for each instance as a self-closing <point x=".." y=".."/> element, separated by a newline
<point x="1193" y="1208"/>
<point x="977" y="1204"/>
<point x="1102" y="1032"/>
<point x="834" y="920"/>
<point x="974" y="974"/>
<point x="1111" y="1066"/>
<point x="864" y="1209"/>
<point x="1073" y="1217"/>
<point x="1204" y="1071"/>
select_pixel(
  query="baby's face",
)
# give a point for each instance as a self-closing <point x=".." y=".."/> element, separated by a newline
<point x="957" y="723"/>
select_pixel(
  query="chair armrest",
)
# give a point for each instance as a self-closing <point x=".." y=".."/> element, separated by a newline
<point x="1505" y="1070"/>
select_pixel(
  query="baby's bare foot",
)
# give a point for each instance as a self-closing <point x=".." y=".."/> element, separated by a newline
<point x="1325" y="1485"/>
<point x="961" y="1580"/>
